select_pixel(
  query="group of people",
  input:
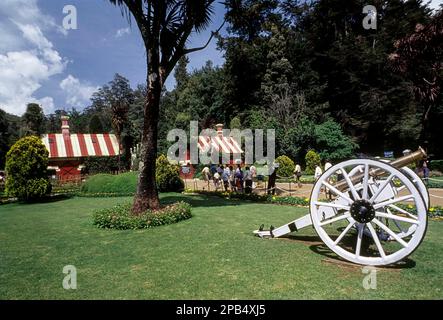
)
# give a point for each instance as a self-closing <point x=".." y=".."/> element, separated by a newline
<point x="237" y="180"/>
<point x="240" y="179"/>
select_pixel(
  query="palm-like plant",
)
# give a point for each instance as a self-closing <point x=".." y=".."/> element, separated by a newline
<point x="165" y="27"/>
<point x="419" y="57"/>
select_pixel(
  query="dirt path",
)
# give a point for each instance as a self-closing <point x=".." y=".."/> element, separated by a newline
<point x="286" y="189"/>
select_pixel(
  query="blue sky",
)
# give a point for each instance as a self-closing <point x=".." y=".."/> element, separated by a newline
<point x="60" y="69"/>
<point x="42" y="62"/>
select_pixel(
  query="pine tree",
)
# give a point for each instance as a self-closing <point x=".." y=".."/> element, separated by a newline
<point x="33" y="120"/>
<point x="181" y="74"/>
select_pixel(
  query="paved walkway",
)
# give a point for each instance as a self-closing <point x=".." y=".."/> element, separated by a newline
<point x="286" y="189"/>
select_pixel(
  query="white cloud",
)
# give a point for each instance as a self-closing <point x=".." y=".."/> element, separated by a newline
<point x="121" y="32"/>
<point x="435" y="4"/>
<point x="28" y="12"/>
<point x="23" y="72"/>
<point x="27" y="58"/>
<point x="78" y="93"/>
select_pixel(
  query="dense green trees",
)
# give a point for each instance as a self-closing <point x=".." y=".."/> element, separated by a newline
<point x="332" y="69"/>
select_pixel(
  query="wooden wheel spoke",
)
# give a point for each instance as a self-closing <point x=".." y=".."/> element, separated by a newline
<point x="365" y="182"/>
<point x="395" y="217"/>
<point x="337" y="192"/>
<point x="390" y="232"/>
<point x="350" y="184"/>
<point x="402" y="211"/>
<point x="350" y="225"/>
<point x="332" y="205"/>
<point x="339" y="218"/>
<point x="359" y="240"/>
<point x="392" y="201"/>
<point x="376" y="240"/>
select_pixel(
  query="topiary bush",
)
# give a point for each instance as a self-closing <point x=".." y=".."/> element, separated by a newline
<point x="312" y="160"/>
<point x="119" y="217"/>
<point x="125" y="183"/>
<point x="26" y="168"/>
<point x="286" y="166"/>
<point x="167" y="176"/>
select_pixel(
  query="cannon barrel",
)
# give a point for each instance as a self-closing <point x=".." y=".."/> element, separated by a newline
<point x="398" y="163"/>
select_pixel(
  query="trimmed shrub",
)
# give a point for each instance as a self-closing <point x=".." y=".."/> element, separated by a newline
<point x="167" y="176"/>
<point x="119" y="217"/>
<point x="125" y="183"/>
<point x="312" y="160"/>
<point x="26" y="167"/>
<point x="286" y="166"/>
<point x="435" y="184"/>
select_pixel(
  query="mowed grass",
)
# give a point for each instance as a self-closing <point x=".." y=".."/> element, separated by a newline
<point x="214" y="255"/>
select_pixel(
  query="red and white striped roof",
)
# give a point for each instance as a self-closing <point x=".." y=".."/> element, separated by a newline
<point x="81" y="145"/>
<point x="219" y="144"/>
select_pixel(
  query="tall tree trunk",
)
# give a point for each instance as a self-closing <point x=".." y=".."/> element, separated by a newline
<point x="147" y="194"/>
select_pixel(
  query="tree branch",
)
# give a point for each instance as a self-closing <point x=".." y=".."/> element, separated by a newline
<point x="213" y="33"/>
<point x="180" y="51"/>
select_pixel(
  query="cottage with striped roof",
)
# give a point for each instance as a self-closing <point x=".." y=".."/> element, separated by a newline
<point x="220" y="144"/>
<point x="67" y="152"/>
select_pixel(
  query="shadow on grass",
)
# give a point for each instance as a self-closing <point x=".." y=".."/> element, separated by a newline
<point x="47" y="199"/>
<point x="318" y="247"/>
<point x="323" y="250"/>
<point x="203" y="201"/>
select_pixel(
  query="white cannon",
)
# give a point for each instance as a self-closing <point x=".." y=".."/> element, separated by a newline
<point x="376" y="214"/>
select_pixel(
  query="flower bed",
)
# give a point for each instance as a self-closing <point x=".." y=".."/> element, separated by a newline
<point x="433" y="212"/>
<point x="119" y="217"/>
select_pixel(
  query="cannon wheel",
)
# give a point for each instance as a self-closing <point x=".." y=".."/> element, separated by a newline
<point x="357" y="207"/>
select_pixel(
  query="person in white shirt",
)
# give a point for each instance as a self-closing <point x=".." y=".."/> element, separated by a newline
<point x="297" y="175"/>
<point x="225" y="177"/>
<point x="206" y="173"/>
<point x="318" y="172"/>
<point x="327" y="165"/>
<point x="217" y="178"/>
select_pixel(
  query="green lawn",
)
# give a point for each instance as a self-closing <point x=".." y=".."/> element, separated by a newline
<point x="211" y="256"/>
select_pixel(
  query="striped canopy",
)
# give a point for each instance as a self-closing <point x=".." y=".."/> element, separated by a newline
<point x="219" y="144"/>
<point x="81" y="145"/>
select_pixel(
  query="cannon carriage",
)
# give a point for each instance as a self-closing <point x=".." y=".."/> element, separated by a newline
<point x="367" y="211"/>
